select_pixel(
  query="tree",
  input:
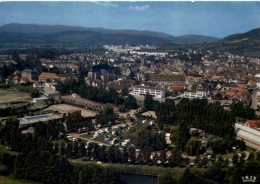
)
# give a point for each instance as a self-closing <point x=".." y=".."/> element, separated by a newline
<point x="251" y="156"/>
<point x="69" y="150"/>
<point x="148" y="102"/>
<point x="235" y="159"/>
<point x="183" y="134"/>
<point x="124" y="92"/>
<point x="130" y="102"/>
<point x="162" y="156"/>
<point x="193" y="146"/>
<point x="132" y="155"/>
<point x="197" y="159"/>
<point x="125" y="155"/>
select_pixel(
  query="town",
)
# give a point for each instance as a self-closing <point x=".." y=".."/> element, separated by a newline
<point x="142" y="105"/>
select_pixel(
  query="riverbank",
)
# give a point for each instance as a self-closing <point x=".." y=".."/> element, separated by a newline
<point x="144" y="170"/>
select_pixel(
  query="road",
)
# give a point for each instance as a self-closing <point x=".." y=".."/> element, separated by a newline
<point x="87" y="139"/>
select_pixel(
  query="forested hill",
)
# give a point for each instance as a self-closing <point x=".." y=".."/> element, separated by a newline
<point x="28" y="34"/>
<point x="243" y="44"/>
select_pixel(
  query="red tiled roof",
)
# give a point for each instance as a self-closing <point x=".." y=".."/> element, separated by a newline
<point x="177" y="86"/>
<point x="168" y="153"/>
<point x="251" y="123"/>
<point x="23" y="79"/>
<point x="16" y="78"/>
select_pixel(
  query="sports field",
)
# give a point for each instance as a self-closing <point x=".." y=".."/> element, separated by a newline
<point x="65" y="108"/>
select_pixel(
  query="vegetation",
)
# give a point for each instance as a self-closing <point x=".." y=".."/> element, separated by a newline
<point x="75" y="121"/>
<point x="146" y="135"/>
<point x="40" y="161"/>
<point x="242" y="111"/>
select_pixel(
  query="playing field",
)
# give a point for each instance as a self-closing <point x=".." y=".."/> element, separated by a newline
<point x="65" y="108"/>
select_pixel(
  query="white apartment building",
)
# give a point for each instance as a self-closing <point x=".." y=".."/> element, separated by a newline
<point x="155" y="92"/>
<point x="195" y="94"/>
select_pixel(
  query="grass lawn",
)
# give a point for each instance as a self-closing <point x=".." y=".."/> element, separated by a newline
<point x="10" y="180"/>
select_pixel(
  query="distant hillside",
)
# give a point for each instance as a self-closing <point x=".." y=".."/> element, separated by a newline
<point x="28" y="34"/>
<point x="252" y="35"/>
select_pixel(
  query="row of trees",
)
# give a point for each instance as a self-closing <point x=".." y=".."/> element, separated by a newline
<point x="128" y="155"/>
<point x="210" y="117"/>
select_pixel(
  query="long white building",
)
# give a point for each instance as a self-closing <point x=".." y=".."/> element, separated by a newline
<point x="155" y="92"/>
<point x="195" y="94"/>
<point x="249" y="135"/>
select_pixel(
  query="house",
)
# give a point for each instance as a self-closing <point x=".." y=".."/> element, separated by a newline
<point x="16" y="79"/>
<point x="250" y="123"/>
<point x="23" y="80"/>
<point x="253" y="124"/>
<point x="197" y="91"/>
<point x="168" y="153"/>
<point x="32" y="75"/>
<point x="120" y="84"/>
<point x="238" y="94"/>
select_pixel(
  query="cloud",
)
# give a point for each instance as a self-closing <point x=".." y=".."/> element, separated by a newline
<point x="139" y="8"/>
<point x="105" y="3"/>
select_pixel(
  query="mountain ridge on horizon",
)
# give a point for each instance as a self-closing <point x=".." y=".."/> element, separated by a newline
<point x="163" y="38"/>
<point x="101" y="28"/>
<point x="62" y="36"/>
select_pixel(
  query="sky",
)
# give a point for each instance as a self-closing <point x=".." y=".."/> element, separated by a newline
<point x="217" y="19"/>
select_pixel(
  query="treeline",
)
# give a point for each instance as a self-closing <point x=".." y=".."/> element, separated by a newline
<point x="102" y="95"/>
<point x="42" y="161"/>
<point x="210" y="117"/>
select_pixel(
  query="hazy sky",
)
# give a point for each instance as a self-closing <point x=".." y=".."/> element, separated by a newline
<point x="217" y="19"/>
